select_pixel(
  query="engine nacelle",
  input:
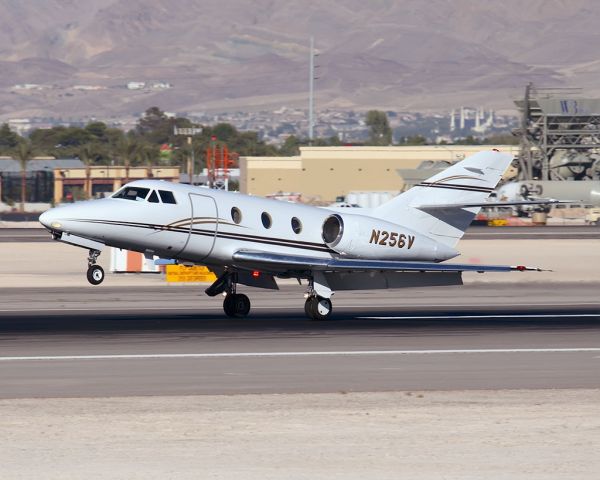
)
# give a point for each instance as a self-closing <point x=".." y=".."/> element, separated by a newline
<point x="358" y="236"/>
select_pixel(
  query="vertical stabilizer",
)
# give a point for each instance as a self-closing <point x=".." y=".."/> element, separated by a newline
<point x="468" y="182"/>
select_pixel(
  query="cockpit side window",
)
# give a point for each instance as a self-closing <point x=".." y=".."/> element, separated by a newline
<point x="153" y="198"/>
<point x="132" y="193"/>
<point x="166" y="196"/>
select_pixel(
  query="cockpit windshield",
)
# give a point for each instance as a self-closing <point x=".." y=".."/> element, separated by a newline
<point x="132" y="193"/>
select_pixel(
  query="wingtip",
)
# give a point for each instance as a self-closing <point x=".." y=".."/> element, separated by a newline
<point x="523" y="268"/>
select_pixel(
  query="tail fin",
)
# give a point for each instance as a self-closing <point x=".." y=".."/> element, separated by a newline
<point x="468" y="182"/>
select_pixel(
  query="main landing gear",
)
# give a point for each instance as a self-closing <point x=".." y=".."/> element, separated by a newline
<point x="318" y="298"/>
<point x="235" y="304"/>
<point x="317" y="306"/>
<point x="95" y="273"/>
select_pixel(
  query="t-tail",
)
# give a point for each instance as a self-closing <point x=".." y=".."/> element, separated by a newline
<point x="443" y="206"/>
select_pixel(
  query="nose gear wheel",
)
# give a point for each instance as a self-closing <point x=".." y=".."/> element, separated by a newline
<point x="95" y="274"/>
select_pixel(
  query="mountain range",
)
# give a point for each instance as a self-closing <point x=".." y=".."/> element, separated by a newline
<point x="404" y="55"/>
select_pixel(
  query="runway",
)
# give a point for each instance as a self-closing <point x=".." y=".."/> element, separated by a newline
<point x="473" y="233"/>
<point x="172" y="341"/>
<point x="24" y="235"/>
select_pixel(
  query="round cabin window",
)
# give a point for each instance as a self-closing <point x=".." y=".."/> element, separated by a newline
<point x="236" y="215"/>
<point x="296" y="225"/>
<point x="266" y="220"/>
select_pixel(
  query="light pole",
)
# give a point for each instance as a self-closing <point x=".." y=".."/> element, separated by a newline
<point x="189" y="132"/>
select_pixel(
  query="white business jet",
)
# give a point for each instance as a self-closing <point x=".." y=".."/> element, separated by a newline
<point x="251" y="240"/>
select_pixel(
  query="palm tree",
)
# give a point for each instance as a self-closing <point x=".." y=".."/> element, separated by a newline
<point x="24" y="152"/>
<point x="127" y="149"/>
<point x="148" y="154"/>
<point x="86" y="155"/>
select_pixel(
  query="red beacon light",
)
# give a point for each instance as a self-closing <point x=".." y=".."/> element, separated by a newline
<point x="255" y="273"/>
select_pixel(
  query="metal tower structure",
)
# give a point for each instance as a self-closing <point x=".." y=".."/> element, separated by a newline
<point x="559" y="135"/>
<point x="218" y="163"/>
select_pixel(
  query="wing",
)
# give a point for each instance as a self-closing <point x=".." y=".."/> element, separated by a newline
<point x="295" y="264"/>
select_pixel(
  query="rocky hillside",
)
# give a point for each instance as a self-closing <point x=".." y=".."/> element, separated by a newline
<point x="233" y="54"/>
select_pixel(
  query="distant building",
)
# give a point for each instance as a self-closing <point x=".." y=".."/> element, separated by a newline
<point x="161" y="86"/>
<point x="64" y="179"/>
<point x="136" y="85"/>
<point x="29" y="86"/>
<point x="88" y="87"/>
<point x="20" y="125"/>
<point x="70" y="183"/>
<point x="40" y="178"/>
<point x="321" y="174"/>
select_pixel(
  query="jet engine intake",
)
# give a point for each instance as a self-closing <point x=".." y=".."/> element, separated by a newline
<point x="333" y="230"/>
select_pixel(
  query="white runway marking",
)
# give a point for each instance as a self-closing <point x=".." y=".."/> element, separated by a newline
<point x="149" y="356"/>
<point x="508" y="315"/>
<point x="530" y="234"/>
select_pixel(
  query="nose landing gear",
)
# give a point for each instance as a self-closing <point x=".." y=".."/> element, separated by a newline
<point x="95" y="273"/>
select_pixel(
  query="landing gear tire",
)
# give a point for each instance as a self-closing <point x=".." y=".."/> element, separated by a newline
<point x="318" y="308"/>
<point x="308" y="307"/>
<point x="236" y="305"/>
<point x="95" y="274"/>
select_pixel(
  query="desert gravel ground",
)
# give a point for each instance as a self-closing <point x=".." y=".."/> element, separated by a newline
<point x="520" y="434"/>
<point x="60" y="265"/>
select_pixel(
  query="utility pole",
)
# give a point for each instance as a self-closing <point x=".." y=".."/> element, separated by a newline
<point x="212" y="168"/>
<point x="311" y="91"/>
<point x="193" y="164"/>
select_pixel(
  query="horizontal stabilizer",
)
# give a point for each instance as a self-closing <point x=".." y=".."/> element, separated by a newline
<point x="547" y="201"/>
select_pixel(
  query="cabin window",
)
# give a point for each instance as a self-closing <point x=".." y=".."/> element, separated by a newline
<point x="266" y="220"/>
<point x="166" y="196"/>
<point x="132" y="193"/>
<point x="153" y="198"/>
<point x="296" y="225"/>
<point x="236" y="215"/>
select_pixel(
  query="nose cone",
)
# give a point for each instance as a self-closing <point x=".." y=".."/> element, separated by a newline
<point x="51" y="219"/>
<point x="55" y="218"/>
<point x="76" y="219"/>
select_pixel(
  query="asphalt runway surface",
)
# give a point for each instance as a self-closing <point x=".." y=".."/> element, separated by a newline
<point x="474" y="233"/>
<point x="24" y="235"/>
<point x="170" y="340"/>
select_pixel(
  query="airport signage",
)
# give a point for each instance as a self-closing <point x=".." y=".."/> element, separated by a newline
<point x="184" y="274"/>
<point x="187" y="131"/>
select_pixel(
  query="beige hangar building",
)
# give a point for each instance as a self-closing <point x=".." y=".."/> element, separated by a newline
<point x="321" y="174"/>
